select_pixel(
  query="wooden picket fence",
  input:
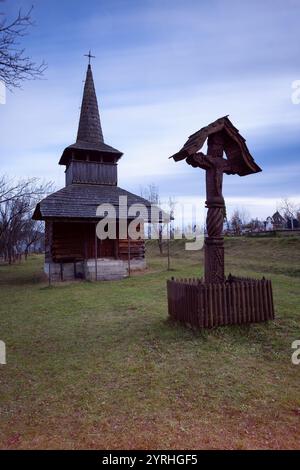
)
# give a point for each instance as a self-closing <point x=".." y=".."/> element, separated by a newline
<point x="236" y="301"/>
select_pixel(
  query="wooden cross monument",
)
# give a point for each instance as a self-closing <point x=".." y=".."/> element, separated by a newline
<point x="221" y="137"/>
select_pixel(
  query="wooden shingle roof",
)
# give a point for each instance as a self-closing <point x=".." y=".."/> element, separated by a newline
<point x="89" y="129"/>
<point x="80" y="201"/>
<point x="89" y="136"/>
<point x="236" y="150"/>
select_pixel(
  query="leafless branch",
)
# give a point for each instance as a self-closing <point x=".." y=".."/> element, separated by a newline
<point x="18" y="232"/>
<point x="15" y="65"/>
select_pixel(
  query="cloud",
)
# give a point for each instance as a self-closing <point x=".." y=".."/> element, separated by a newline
<point x="161" y="73"/>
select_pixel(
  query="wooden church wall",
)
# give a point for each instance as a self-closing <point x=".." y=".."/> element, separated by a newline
<point x="91" y="172"/>
<point x="136" y="248"/>
<point x="68" y="241"/>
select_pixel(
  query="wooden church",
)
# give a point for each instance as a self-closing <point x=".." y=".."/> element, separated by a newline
<point x="72" y="248"/>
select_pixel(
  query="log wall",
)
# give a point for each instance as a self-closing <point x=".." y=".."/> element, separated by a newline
<point x="136" y="248"/>
<point x="71" y="241"/>
<point x="91" y="172"/>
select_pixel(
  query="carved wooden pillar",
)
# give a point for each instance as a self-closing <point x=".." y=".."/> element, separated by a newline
<point x="214" y="242"/>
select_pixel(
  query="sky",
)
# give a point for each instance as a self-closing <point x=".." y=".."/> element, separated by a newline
<point x="163" y="69"/>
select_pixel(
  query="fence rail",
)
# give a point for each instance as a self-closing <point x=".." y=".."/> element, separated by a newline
<point x="236" y="301"/>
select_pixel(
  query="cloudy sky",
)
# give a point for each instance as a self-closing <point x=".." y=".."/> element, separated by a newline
<point x="163" y="69"/>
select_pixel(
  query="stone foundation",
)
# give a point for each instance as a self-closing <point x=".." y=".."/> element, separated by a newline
<point x="108" y="269"/>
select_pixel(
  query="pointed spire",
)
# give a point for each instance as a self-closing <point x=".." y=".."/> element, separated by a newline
<point x="89" y="136"/>
<point x="89" y="129"/>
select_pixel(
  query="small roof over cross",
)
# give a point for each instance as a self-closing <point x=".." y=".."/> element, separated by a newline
<point x="240" y="161"/>
<point x="90" y="56"/>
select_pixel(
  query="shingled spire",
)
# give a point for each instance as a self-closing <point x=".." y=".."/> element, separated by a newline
<point x="89" y="129"/>
<point x="89" y="144"/>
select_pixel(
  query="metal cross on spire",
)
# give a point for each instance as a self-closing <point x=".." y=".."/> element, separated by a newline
<point x="90" y="56"/>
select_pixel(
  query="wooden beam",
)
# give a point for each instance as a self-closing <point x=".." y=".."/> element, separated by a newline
<point x="96" y="244"/>
<point x="128" y="238"/>
<point x="168" y="244"/>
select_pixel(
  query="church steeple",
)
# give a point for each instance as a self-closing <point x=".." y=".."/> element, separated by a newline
<point x="90" y="145"/>
<point x="89" y="129"/>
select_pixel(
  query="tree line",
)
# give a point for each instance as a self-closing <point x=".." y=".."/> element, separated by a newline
<point x="18" y="232"/>
<point x="240" y="221"/>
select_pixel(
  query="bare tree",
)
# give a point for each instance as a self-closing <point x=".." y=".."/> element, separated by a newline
<point x="15" y="65"/>
<point x="238" y="220"/>
<point x="12" y="214"/>
<point x="171" y="206"/>
<point x="32" y="233"/>
<point x="255" y="225"/>
<point x="12" y="189"/>
<point x="151" y="193"/>
<point x="289" y="211"/>
<point x="18" y="232"/>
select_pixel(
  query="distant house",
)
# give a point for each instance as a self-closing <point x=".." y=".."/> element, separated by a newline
<point x="278" y="221"/>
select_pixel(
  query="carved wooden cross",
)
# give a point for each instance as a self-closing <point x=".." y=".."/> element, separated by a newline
<point x="221" y="137"/>
<point x="215" y="165"/>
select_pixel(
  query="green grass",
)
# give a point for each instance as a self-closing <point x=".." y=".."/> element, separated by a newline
<point x="98" y="365"/>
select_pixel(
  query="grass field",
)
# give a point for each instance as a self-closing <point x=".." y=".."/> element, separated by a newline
<point x="98" y="365"/>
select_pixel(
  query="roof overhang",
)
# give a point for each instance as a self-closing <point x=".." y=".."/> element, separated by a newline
<point x="81" y="202"/>
<point x="93" y="149"/>
<point x="242" y="163"/>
